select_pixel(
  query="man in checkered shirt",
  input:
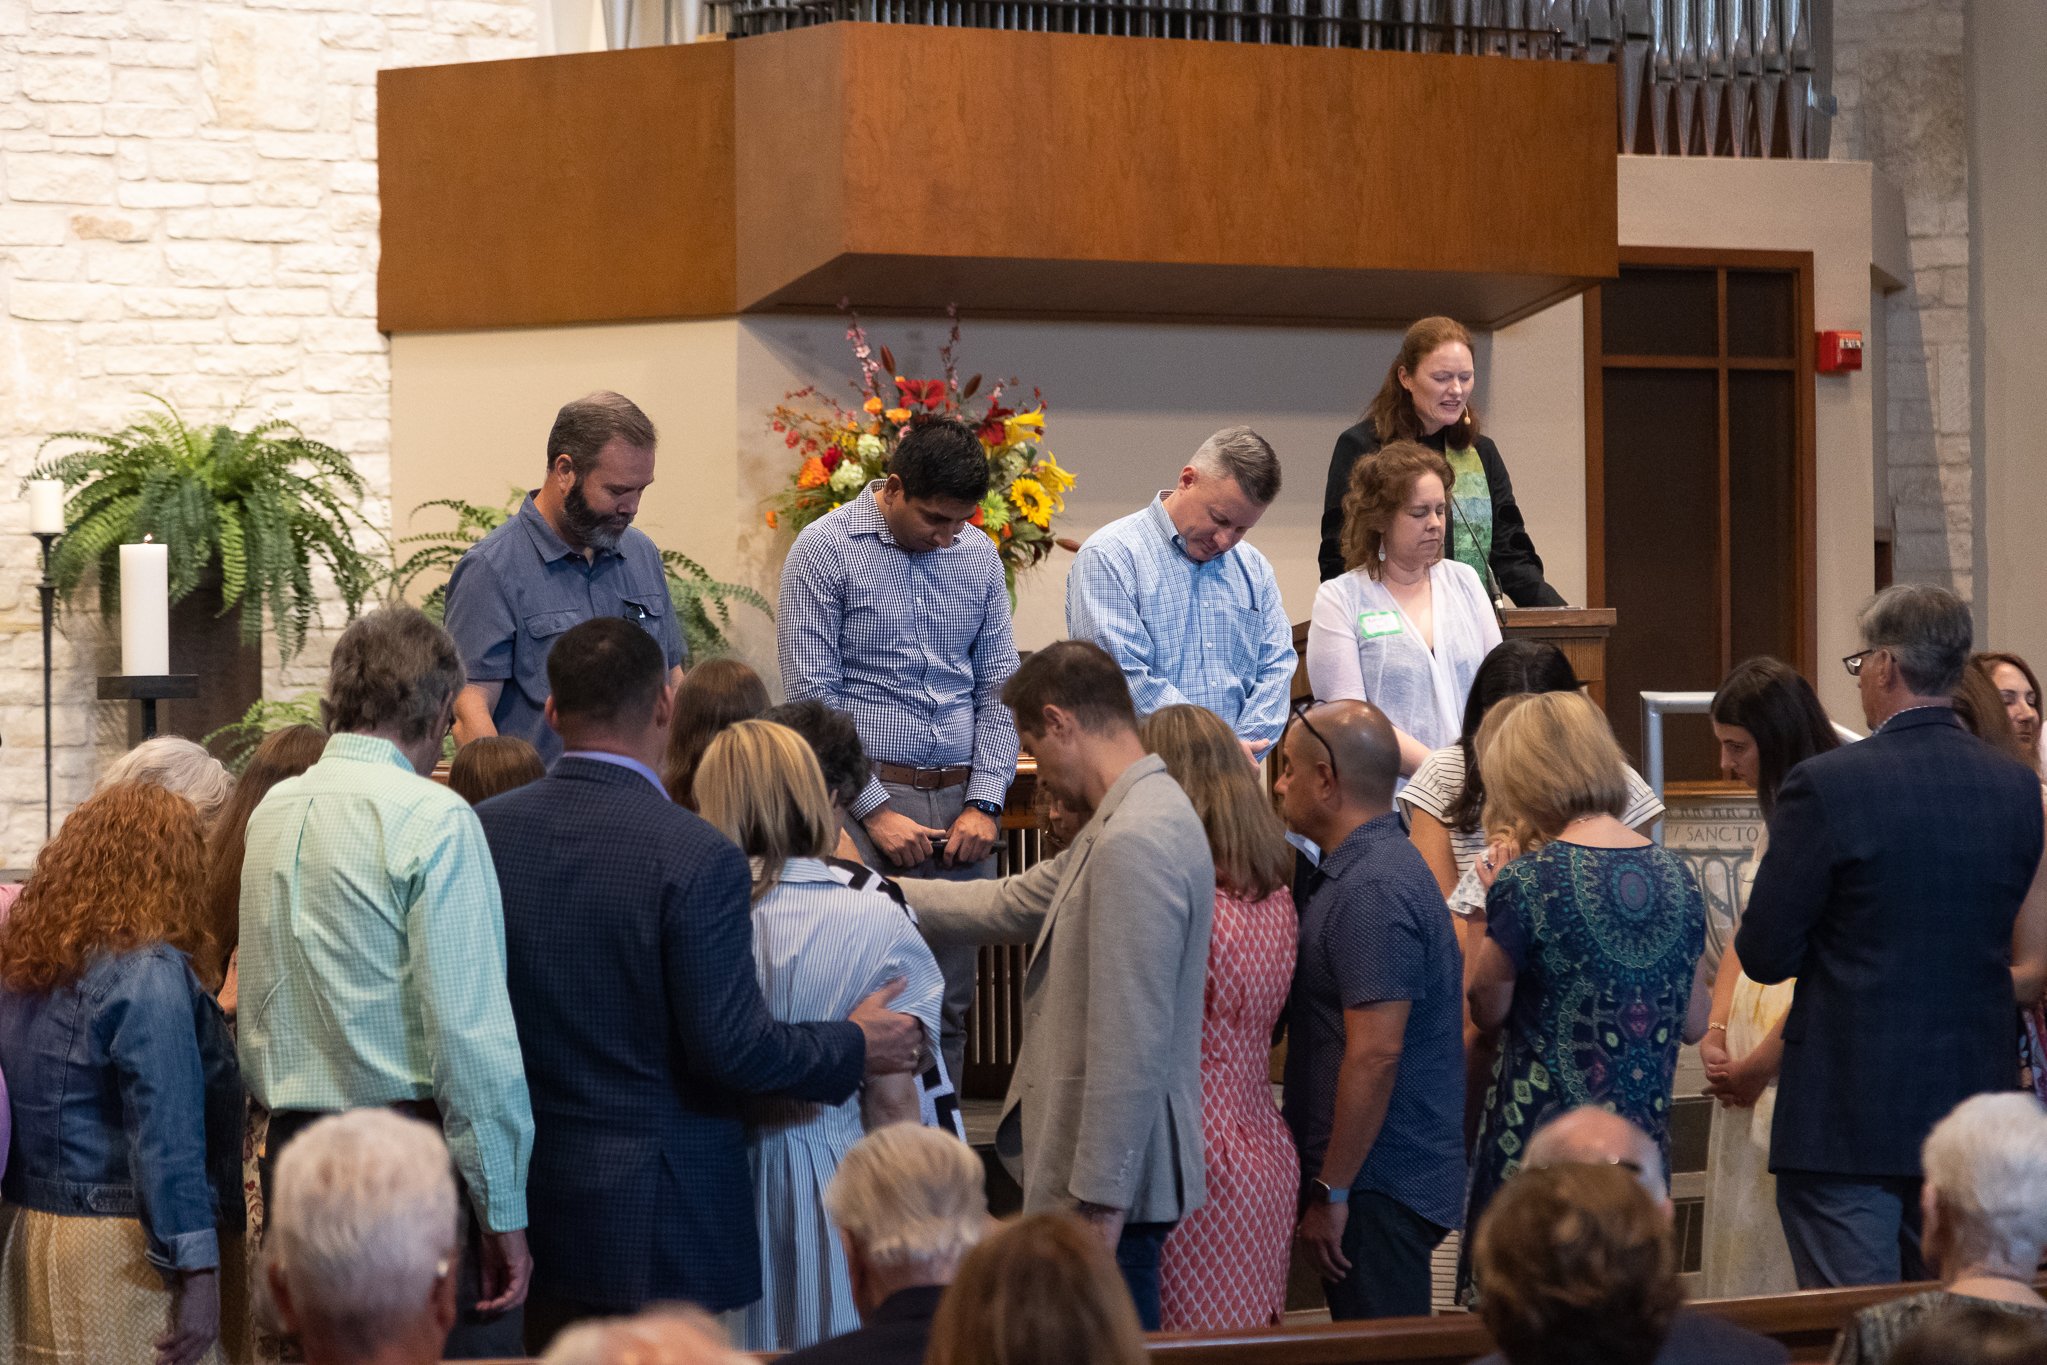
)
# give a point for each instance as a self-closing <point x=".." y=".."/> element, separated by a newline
<point x="894" y="610"/>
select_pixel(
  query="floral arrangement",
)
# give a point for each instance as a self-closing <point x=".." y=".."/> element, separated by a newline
<point x="842" y="450"/>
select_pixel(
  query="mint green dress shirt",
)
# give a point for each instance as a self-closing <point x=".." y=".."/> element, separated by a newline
<point x="373" y="962"/>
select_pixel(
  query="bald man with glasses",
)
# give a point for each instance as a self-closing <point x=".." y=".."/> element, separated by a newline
<point x="1375" y="1053"/>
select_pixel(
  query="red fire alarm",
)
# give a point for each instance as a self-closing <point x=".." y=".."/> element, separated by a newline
<point x="1839" y="351"/>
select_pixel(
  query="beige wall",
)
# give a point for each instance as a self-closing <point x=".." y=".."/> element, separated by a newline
<point x="2008" y="147"/>
<point x="1129" y="402"/>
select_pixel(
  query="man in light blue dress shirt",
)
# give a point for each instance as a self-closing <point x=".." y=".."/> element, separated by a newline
<point x="894" y="610"/>
<point x="1190" y="611"/>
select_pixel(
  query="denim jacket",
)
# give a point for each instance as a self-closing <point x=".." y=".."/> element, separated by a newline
<point x="126" y="1103"/>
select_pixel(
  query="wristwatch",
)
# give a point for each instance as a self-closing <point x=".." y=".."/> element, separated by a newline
<point x="1325" y="1193"/>
<point x="988" y="808"/>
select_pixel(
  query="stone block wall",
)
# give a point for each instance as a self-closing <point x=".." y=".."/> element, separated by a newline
<point x="188" y="207"/>
<point x="1899" y="74"/>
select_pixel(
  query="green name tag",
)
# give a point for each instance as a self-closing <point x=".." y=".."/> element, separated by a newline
<point x="1373" y="624"/>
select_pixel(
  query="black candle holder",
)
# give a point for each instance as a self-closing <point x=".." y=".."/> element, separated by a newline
<point x="47" y="588"/>
<point x="149" y="689"/>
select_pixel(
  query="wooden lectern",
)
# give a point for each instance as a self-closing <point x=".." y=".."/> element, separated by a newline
<point x="1581" y="632"/>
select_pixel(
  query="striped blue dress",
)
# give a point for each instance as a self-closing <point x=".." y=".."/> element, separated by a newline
<point x="820" y="947"/>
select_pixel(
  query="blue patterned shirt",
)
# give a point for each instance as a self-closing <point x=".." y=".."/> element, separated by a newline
<point x="914" y="647"/>
<point x="1374" y="928"/>
<point x="516" y="591"/>
<point x="1214" y="634"/>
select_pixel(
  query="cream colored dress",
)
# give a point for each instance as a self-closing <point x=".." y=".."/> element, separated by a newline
<point x="1745" y="1252"/>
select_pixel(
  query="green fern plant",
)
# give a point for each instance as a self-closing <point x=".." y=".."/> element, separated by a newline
<point x="703" y="603"/>
<point x="239" y="739"/>
<point x="264" y="504"/>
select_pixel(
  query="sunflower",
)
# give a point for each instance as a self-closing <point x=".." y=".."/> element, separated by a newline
<point x="1033" y="503"/>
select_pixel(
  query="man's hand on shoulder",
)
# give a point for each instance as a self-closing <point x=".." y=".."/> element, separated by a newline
<point x="895" y="1041"/>
<point x="900" y="839"/>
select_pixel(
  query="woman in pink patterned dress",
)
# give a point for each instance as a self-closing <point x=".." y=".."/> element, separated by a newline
<point x="1225" y="1266"/>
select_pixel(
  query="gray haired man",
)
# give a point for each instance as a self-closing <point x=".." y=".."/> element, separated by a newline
<point x="1188" y="610"/>
<point x="364" y="1235"/>
<point x="909" y="1202"/>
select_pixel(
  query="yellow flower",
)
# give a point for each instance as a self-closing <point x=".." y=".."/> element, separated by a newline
<point x="1055" y="479"/>
<point x="1032" y="501"/>
<point x="872" y="405"/>
<point x="1027" y="426"/>
<point x="897" y="414"/>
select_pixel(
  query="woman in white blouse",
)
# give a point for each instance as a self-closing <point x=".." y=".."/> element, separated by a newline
<point x="1405" y="628"/>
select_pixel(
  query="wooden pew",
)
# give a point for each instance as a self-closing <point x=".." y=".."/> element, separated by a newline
<point x="1805" y="1322"/>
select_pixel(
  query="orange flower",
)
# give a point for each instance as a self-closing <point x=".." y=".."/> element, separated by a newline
<point x="813" y="474"/>
<point x="897" y="414"/>
<point x="873" y="405"/>
<point x="772" y="524"/>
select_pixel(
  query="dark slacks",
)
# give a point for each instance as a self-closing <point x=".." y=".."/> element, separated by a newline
<point x="957" y="962"/>
<point x="549" y="1315"/>
<point x="476" y="1336"/>
<point x="1388" y="1246"/>
<point x="1849" y="1230"/>
<point x="1137" y="1256"/>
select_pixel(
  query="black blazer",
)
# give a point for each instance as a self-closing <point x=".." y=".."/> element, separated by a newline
<point x="1514" y="561"/>
<point x="629" y="949"/>
<point x="1701" y="1339"/>
<point x="1895" y="871"/>
<point x="896" y="1334"/>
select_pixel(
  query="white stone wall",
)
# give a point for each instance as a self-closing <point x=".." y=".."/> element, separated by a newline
<point x="188" y="207"/>
<point x="1899" y="74"/>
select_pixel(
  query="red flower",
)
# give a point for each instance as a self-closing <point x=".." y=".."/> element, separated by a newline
<point x="925" y="393"/>
<point x="991" y="429"/>
<point x="791" y="440"/>
<point x="832" y="457"/>
<point x="778" y="425"/>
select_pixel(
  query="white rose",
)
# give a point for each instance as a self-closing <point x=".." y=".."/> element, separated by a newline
<point x="848" y="478"/>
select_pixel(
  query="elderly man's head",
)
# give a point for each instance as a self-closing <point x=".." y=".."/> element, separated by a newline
<point x="667" y="1334"/>
<point x="910" y="1203"/>
<point x="363" y="1238"/>
<point x="1985" y="1197"/>
<point x="394" y="674"/>
<point x="1591" y="1136"/>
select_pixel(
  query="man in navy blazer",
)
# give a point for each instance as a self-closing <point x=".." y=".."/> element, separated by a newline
<point x="1894" y="881"/>
<point x="629" y="950"/>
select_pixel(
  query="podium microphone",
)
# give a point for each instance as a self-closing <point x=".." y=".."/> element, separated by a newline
<point x="1492" y="584"/>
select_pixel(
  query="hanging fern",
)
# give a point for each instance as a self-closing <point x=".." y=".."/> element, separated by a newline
<point x="702" y="603"/>
<point x="263" y="505"/>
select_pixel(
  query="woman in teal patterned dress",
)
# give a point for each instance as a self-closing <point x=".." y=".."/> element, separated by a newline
<point x="1590" y="967"/>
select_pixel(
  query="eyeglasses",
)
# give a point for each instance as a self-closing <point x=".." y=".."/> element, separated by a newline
<point x="1299" y="711"/>
<point x="1853" y="662"/>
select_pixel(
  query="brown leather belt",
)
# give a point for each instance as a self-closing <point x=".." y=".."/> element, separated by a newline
<point x="923" y="779"/>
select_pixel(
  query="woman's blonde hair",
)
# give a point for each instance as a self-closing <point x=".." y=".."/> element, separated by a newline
<point x="127" y="870"/>
<point x="1548" y="758"/>
<point x="1380" y="485"/>
<point x="1245" y="834"/>
<point x="759" y="785"/>
<point x="1042" y="1290"/>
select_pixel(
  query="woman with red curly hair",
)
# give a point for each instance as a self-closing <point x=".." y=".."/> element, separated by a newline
<point x="125" y="1095"/>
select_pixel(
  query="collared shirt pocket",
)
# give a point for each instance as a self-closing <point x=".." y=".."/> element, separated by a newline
<point x="545" y="625"/>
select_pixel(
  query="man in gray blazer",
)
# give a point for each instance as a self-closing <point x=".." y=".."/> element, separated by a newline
<point x="1103" y="1116"/>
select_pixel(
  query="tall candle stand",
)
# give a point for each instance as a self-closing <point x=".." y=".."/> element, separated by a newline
<point x="48" y="590"/>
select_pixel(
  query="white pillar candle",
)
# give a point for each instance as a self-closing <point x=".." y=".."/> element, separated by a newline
<point x="145" y="610"/>
<point x="45" y="507"/>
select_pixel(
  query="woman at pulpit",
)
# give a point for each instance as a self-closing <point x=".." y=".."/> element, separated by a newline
<point x="1427" y="398"/>
<point x="1405" y="627"/>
